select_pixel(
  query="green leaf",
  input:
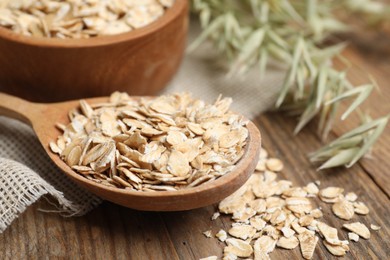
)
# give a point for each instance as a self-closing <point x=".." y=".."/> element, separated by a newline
<point x="264" y="14"/>
<point x="300" y="82"/>
<point x="308" y="115"/>
<point x="214" y="26"/>
<point x="349" y="93"/>
<point x="263" y="61"/>
<point x="279" y="53"/>
<point x="371" y="140"/>
<point x="274" y="37"/>
<point x="251" y="45"/>
<point x="363" y="128"/>
<point x="290" y="10"/>
<point x="360" y="140"/>
<point x="329" y="52"/>
<point x="205" y="17"/>
<point x="353" y="141"/>
<point x="341" y="158"/>
<point x="232" y="27"/>
<point x="309" y="63"/>
<point x="311" y="9"/>
<point x="328" y="112"/>
<point x="358" y="101"/>
<point x="321" y="86"/>
<point x="290" y="77"/>
<point x="322" y="156"/>
<point x="362" y="93"/>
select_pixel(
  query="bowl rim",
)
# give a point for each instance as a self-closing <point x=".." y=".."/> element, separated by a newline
<point x="168" y="17"/>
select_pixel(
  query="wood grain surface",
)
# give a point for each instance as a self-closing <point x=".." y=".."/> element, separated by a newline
<point x="114" y="232"/>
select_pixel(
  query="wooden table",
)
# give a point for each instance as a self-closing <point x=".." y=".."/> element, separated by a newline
<point x="111" y="231"/>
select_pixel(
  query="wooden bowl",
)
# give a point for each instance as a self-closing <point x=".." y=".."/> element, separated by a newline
<point x="140" y="62"/>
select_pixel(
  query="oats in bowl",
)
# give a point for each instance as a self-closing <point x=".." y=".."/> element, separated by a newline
<point x="79" y="18"/>
<point x="139" y="62"/>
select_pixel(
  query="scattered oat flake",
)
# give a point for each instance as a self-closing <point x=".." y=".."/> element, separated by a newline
<point x="353" y="236"/>
<point x="258" y="205"/>
<point x="221" y="235"/>
<point x="274" y="164"/>
<point x="297" y="228"/>
<point x="287" y="232"/>
<point x="234" y="202"/>
<point x="329" y="233"/>
<point x="294" y="192"/>
<point x="307" y="242"/>
<point x="257" y="222"/>
<point x="316" y="213"/>
<point x="229" y="256"/>
<point x="264" y="244"/>
<point x="277" y="217"/>
<point x="299" y="205"/>
<point x="311" y="188"/>
<point x="361" y="208"/>
<point x="213" y="257"/>
<point x="343" y="209"/>
<point x="306" y="220"/>
<point x="337" y="250"/>
<point x="351" y="196"/>
<point x="244" y="214"/>
<point x="288" y="242"/>
<point x="207" y="233"/>
<point x="263" y="153"/>
<point x="375" y="227"/>
<point x="260" y="166"/>
<point x="268" y="213"/>
<point x="331" y="192"/>
<point x="215" y="216"/>
<point x="238" y="247"/>
<point x="358" y="228"/>
<point x="242" y="231"/>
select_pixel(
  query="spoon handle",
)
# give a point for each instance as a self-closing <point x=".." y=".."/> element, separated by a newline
<point x="17" y="108"/>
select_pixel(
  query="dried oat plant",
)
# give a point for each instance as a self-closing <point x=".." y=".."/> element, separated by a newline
<point x="250" y="33"/>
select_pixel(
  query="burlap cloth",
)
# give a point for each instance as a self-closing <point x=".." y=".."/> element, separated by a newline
<point x="26" y="172"/>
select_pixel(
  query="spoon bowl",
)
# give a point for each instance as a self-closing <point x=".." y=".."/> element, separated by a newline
<point x="43" y="117"/>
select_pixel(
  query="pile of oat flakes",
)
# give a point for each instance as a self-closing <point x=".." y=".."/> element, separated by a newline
<point x="269" y="213"/>
<point x="166" y="143"/>
<point x="79" y="18"/>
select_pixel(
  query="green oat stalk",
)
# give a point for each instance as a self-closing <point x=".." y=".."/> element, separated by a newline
<point x="350" y="147"/>
<point x="249" y="33"/>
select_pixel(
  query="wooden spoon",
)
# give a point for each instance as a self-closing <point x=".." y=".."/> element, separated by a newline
<point x="43" y="117"/>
